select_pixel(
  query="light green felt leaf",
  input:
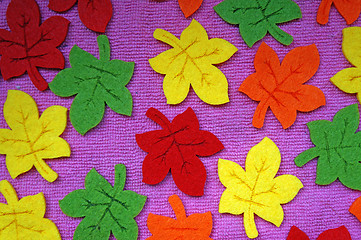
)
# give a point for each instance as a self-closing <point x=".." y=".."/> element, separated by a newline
<point x="95" y="82"/>
<point x="105" y="208"/>
<point x="337" y="147"/>
<point x="257" y="17"/>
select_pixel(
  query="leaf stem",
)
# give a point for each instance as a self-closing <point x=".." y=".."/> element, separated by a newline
<point x="306" y="156"/>
<point x="279" y="34"/>
<point x="38" y="80"/>
<point x="177" y="207"/>
<point x="8" y="192"/>
<point x="104" y="48"/>
<point x="119" y="178"/>
<point x="45" y="171"/>
<point x="158" y="117"/>
<point x="249" y="224"/>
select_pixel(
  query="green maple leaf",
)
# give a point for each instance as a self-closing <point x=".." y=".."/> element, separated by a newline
<point x="95" y="81"/>
<point x="105" y="208"/>
<point x="257" y="17"/>
<point x="338" y="149"/>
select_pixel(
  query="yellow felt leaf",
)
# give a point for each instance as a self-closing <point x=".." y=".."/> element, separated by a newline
<point x="256" y="190"/>
<point x="32" y="139"/>
<point x="190" y="63"/>
<point x="349" y="79"/>
<point x="24" y="219"/>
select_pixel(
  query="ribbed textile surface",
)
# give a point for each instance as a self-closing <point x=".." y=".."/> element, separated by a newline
<point x="130" y="31"/>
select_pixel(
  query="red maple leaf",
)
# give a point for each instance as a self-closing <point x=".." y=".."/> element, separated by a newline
<point x="280" y="86"/>
<point x="28" y="45"/>
<point x="176" y="148"/>
<point x="340" y="233"/>
<point x="95" y="14"/>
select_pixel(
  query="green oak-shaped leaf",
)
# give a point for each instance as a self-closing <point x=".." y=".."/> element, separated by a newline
<point x="338" y="149"/>
<point x="105" y="208"/>
<point x="257" y="17"/>
<point x="96" y="82"/>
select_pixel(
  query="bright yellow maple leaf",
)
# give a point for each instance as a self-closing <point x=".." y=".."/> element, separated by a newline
<point x="256" y="190"/>
<point x="190" y="62"/>
<point x="24" y="219"/>
<point x="32" y="139"/>
<point x="349" y="79"/>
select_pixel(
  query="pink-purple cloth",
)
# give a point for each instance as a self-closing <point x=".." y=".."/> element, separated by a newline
<point x="130" y="31"/>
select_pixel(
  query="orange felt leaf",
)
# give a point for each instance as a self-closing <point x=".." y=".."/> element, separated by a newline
<point x="355" y="208"/>
<point x="188" y="7"/>
<point x="280" y="86"/>
<point x="197" y="226"/>
<point x="349" y="10"/>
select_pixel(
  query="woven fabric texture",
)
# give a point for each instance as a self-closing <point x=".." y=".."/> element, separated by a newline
<point x="130" y="31"/>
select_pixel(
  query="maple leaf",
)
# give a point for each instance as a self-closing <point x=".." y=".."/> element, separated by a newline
<point x="176" y="148"/>
<point x="340" y="233"/>
<point x="350" y="10"/>
<point x="280" y="86"/>
<point x="338" y="149"/>
<point x="32" y="139"/>
<point x="355" y="208"/>
<point x="257" y="17"/>
<point x="95" y="14"/>
<point x="349" y="79"/>
<point x="256" y="190"/>
<point x="28" y="46"/>
<point x="188" y="7"/>
<point x="197" y="226"/>
<point x="24" y="218"/>
<point x="190" y="62"/>
<point x="105" y="208"/>
<point x="95" y="82"/>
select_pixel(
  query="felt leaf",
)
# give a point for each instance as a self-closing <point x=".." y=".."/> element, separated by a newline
<point x="355" y="208"/>
<point x="176" y="147"/>
<point x="105" y="208"/>
<point x="24" y="218"/>
<point x="29" y="46"/>
<point x="94" y="82"/>
<point x="188" y="7"/>
<point x="255" y="190"/>
<point x="349" y="79"/>
<point x="190" y="62"/>
<point x="32" y="139"/>
<point x="350" y="10"/>
<point x="340" y="233"/>
<point x="337" y="147"/>
<point x="256" y="18"/>
<point x="196" y="226"/>
<point x="95" y="14"/>
<point x="281" y="86"/>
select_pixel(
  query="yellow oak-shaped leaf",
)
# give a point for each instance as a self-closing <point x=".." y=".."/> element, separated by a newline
<point x="349" y="79"/>
<point x="32" y="139"/>
<point x="24" y="218"/>
<point x="256" y="190"/>
<point x="190" y="62"/>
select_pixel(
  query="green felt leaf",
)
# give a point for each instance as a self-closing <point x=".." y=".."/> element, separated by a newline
<point x="337" y="147"/>
<point x="105" y="208"/>
<point x="95" y="82"/>
<point x="257" y="17"/>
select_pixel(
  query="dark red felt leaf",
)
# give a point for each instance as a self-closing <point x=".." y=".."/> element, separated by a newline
<point x="95" y="14"/>
<point x="28" y="45"/>
<point x="340" y="233"/>
<point x="176" y="147"/>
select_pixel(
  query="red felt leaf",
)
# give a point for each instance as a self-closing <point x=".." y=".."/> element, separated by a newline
<point x="340" y="233"/>
<point x="28" y="45"/>
<point x="188" y="7"/>
<point x="61" y="5"/>
<point x="176" y="148"/>
<point x="349" y="10"/>
<point x="297" y="234"/>
<point x="280" y="86"/>
<point x="95" y="14"/>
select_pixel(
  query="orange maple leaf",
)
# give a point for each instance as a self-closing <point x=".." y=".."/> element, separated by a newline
<point x="197" y="226"/>
<point x="280" y="86"/>
<point x="349" y="10"/>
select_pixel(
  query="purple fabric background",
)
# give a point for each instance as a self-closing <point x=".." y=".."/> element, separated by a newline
<point x="315" y="208"/>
